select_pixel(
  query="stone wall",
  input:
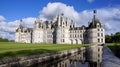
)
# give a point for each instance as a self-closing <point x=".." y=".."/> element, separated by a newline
<point x="78" y="54"/>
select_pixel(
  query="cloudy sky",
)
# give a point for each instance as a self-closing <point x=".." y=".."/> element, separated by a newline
<point x="81" y="11"/>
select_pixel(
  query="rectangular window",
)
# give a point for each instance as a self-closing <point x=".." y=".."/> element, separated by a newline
<point x="98" y="40"/>
<point x="102" y="34"/>
<point x="63" y="40"/>
<point x="101" y="29"/>
<point x="101" y="40"/>
<point x="98" y="34"/>
<point x="98" y="29"/>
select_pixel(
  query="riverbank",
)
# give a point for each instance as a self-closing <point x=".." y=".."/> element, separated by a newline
<point x="109" y="59"/>
<point x="12" y="49"/>
<point x="115" y="48"/>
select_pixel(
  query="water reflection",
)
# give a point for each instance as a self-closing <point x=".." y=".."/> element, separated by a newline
<point x="63" y="63"/>
<point x="84" y="57"/>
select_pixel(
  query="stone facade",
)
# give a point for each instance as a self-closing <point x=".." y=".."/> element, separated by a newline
<point x="62" y="31"/>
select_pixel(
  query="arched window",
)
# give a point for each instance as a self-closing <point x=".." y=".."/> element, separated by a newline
<point x="98" y="25"/>
<point x="98" y="40"/>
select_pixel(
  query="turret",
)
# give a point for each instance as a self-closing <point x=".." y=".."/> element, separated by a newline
<point x="20" y="28"/>
<point x="38" y="23"/>
<point x="95" y="31"/>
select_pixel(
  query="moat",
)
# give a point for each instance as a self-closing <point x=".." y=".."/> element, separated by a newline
<point x="93" y="56"/>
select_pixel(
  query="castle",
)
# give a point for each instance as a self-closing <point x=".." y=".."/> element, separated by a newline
<point x="62" y="31"/>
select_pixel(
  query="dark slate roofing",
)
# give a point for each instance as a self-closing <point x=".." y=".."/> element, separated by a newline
<point x="94" y="23"/>
<point x="20" y="27"/>
<point x="78" y="28"/>
<point x="24" y="29"/>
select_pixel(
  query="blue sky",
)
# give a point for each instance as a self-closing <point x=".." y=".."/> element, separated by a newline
<point x="81" y="11"/>
<point x="17" y="9"/>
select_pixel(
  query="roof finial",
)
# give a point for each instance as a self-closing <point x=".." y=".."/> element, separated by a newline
<point x="95" y="11"/>
<point x="62" y="14"/>
<point x="21" y="22"/>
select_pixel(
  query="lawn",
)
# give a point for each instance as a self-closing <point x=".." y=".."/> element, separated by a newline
<point x="11" y="49"/>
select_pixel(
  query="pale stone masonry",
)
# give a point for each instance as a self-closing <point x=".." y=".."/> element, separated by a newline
<point x="62" y="31"/>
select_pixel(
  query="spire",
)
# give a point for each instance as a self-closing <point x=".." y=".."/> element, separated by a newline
<point x="95" y="12"/>
<point x="20" y="26"/>
<point x="21" y="22"/>
<point x="94" y="16"/>
<point x="38" y="19"/>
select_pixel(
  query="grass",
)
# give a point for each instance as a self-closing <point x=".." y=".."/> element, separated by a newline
<point x="11" y="49"/>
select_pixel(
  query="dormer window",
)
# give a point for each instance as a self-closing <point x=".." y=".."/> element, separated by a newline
<point x="98" y="29"/>
<point x="98" y="25"/>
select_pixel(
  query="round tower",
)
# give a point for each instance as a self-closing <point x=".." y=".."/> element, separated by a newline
<point x="95" y="31"/>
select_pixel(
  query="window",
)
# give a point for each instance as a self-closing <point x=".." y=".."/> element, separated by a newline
<point x="70" y="35"/>
<point x="63" y="35"/>
<point x="101" y="29"/>
<point x="63" y="23"/>
<point x="80" y="35"/>
<point x="98" y="49"/>
<point x="101" y="34"/>
<point x="63" y="40"/>
<point x="98" y="34"/>
<point x="98" y="60"/>
<point x="98" y="40"/>
<point x="98" y="55"/>
<point x="101" y="40"/>
<point x="80" y="31"/>
<point x="98" y="26"/>
<point x="98" y="29"/>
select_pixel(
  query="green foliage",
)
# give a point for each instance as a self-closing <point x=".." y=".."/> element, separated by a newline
<point x="3" y="40"/>
<point x="11" y="49"/>
<point x="108" y="39"/>
<point x="113" y="38"/>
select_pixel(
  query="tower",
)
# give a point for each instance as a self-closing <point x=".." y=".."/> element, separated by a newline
<point x="37" y="35"/>
<point x="95" y="31"/>
<point x="18" y="32"/>
<point x="61" y="31"/>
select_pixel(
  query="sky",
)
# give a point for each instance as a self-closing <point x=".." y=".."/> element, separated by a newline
<point x="81" y="11"/>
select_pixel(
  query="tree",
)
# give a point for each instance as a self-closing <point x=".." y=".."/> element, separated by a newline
<point x="3" y="40"/>
<point x="108" y="39"/>
<point x="113" y="38"/>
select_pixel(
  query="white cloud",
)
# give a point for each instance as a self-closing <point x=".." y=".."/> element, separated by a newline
<point x="1" y="18"/>
<point x="7" y="29"/>
<point x="110" y="17"/>
<point x="53" y="9"/>
<point x="29" y="22"/>
<point x="90" y="1"/>
<point x="108" y="26"/>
